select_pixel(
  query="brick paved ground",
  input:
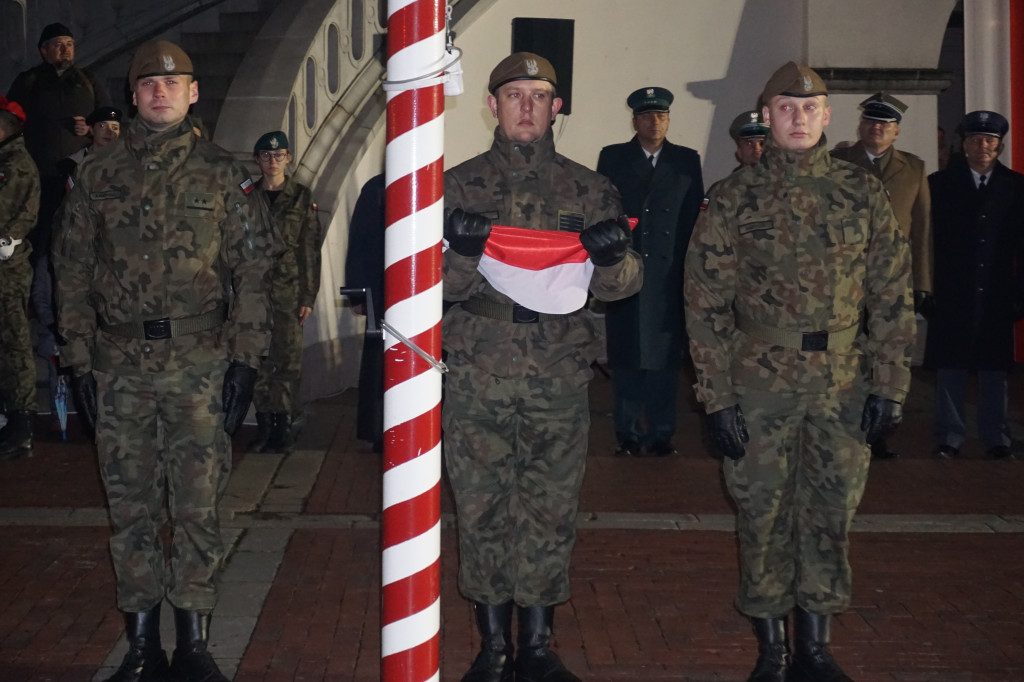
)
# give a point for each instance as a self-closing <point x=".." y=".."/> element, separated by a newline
<point x="651" y="599"/>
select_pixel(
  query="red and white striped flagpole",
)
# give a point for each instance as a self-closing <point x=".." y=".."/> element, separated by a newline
<point x="410" y="571"/>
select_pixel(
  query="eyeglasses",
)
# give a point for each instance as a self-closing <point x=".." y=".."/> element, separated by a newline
<point x="276" y="156"/>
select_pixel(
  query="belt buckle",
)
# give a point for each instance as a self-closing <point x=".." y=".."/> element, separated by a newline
<point x="814" y="341"/>
<point x="522" y="314"/>
<point x="157" y="329"/>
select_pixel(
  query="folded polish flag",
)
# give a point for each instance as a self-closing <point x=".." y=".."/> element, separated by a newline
<point x="544" y="270"/>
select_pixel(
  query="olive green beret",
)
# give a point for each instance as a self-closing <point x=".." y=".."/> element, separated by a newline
<point x="159" y="58"/>
<point x="521" y="66"/>
<point x="793" y="80"/>
<point x="270" y="142"/>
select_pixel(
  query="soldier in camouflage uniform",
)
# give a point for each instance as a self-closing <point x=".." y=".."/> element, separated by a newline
<point x="294" y="282"/>
<point x="516" y="411"/>
<point x="161" y="260"/>
<point x="800" y="315"/>
<point x="19" y="204"/>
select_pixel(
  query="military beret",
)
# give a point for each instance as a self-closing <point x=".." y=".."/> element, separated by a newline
<point x="103" y="114"/>
<point x="748" y="124"/>
<point x="521" y="66"/>
<point x="793" y="80"/>
<point x="9" y="105"/>
<point x="983" y="123"/>
<point x="882" y="106"/>
<point x="159" y="58"/>
<point x="270" y="142"/>
<point x="649" y="99"/>
<point x="54" y="31"/>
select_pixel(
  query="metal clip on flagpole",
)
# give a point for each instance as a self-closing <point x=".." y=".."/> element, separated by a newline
<point x="374" y="329"/>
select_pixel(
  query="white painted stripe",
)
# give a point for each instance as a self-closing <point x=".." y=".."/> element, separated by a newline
<point x="414" y="233"/>
<point x="411" y="398"/>
<point x="421" y="59"/>
<point x="395" y="5"/>
<point x="415" y="477"/>
<point x="417" y="148"/>
<point x="412" y="556"/>
<point x="410" y="632"/>
<point x="417" y="314"/>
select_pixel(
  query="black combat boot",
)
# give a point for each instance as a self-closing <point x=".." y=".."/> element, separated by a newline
<point x="191" y="661"/>
<point x="772" y="650"/>
<point x="812" y="661"/>
<point x="262" y="432"/>
<point x="280" y="438"/>
<point x="16" y="437"/>
<point x="145" y="660"/>
<point x="535" y="662"/>
<point x="494" y="662"/>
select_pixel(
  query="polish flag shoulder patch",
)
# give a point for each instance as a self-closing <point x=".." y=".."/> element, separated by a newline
<point x="704" y="204"/>
<point x="70" y="184"/>
<point x="248" y="186"/>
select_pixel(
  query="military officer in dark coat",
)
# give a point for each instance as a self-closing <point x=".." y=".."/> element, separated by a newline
<point x="661" y="184"/>
<point x="978" y="227"/>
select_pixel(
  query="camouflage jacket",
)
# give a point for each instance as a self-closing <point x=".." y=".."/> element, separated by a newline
<point x="799" y="242"/>
<point x="19" y="196"/>
<point x="531" y="186"/>
<point x="296" y="274"/>
<point x="160" y="225"/>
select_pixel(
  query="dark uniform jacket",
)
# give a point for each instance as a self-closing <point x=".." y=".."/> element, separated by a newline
<point x="19" y="198"/>
<point x="50" y="100"/>
<point x="904" y="178"/>
<point x="978" y="286"/>
<point x="295" y="278"/>
<point x="646" y="331"/>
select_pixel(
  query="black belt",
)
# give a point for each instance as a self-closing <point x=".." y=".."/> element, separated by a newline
<point x="165" y="327"/>
<point x="504" y="311"/>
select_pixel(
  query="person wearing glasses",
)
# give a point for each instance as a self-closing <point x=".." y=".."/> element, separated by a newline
<point x="294" y="282"/>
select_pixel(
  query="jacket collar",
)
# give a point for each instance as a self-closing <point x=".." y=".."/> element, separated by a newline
<point x="523" y="155"/>
<point x="166" y="149"/>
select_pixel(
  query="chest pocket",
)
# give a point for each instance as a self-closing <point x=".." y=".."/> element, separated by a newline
<point x="199" y="213"/>
<point x="854" y="231"/>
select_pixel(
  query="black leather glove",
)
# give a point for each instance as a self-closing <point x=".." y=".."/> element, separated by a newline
<point x="83" y="390"/>
<point x="607" y="241"/>
<point x="728" y="432"/>
<point x="924" y="304"/>
<point x="881" y="417"/>
<point x="466" y="233"/>
<point x="239" y="382"/>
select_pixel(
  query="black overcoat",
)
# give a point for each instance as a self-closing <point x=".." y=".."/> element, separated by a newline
<point x="646" y="330"/>
<point x="978" y="265"/>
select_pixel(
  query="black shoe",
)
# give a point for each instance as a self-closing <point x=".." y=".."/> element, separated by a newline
<point x="280" y="438"/>
<point x="629" y="448"/>
<point x="494" y="662"/>
<point x="812" y="661"/>
<point x="772" y="650"/>
<point x="16" y="437"/>
<point x="191" y="661"/>
<point x="999" y="452"/>
<point x="947" y="451"/>
<point x="145" y="660"/>
<point x="535" y="662"/>
<point x="262" y="432"/>
<point x="880" y="450"/>
<point x="662" y="449"/>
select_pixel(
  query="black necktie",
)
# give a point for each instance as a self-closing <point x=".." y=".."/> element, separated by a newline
<point x="651" y="159"/>
<point x="981" y="182"/>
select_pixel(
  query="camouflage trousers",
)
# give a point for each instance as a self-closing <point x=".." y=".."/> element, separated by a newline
<point x="797" y="490"/>
<point x="515" y="450"/>
<point x="17" y="365"/>
<point x="280" y="372"/>
<point x="162" y="448"/>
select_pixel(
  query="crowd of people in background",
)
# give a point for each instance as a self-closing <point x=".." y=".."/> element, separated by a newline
<point x="172" y="289"/>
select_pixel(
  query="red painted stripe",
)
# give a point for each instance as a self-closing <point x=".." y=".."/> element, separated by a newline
<point x="413" y="23"/>
<point x="408" y="364"/>
<point x="408" y="440"/>
<point x="411" y="595"/>
<point x="411" y="518"/>
<point x="414" y="192"/>
<point x="1017" y="82"/>
<point x="413" y="108"/>
<point x="413" y="275"/>
<point x="418" y="663"/>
